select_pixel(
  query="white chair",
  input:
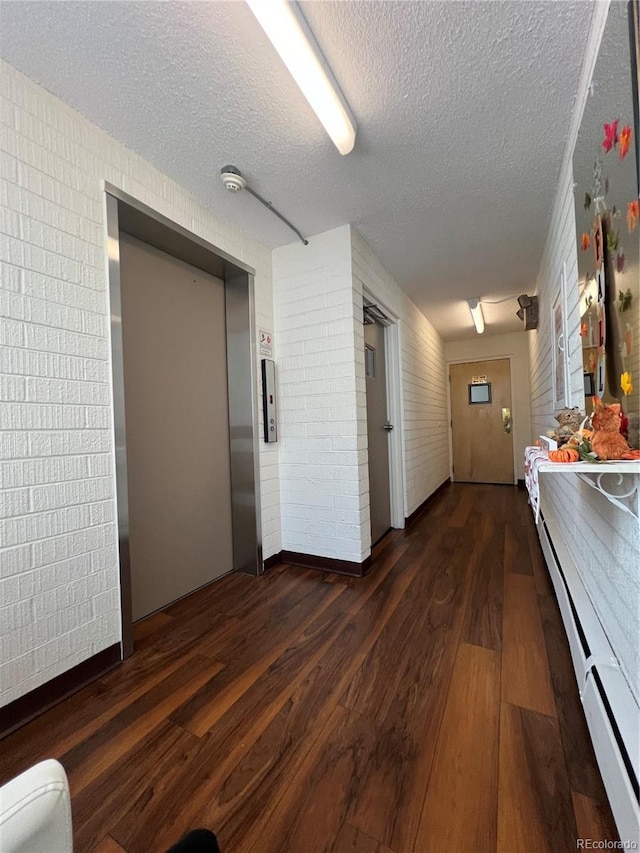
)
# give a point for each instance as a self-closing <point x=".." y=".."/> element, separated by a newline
<point x="35" y="811"/>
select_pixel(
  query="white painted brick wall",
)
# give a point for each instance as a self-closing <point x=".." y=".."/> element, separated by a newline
<point x="324" y="487"/>
<point x="423" y="378"/>
<point x="323" y="429"/>
<point x="604" y="541"/>
<point x="59" y="600"/>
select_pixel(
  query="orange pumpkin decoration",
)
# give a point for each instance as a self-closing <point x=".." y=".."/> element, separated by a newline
<point x="564" y="455"/>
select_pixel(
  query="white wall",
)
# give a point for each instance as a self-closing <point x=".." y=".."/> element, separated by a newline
<point x="561" y="253"/>
<point x="59" y="599"/>
<point x="323" y="416"/>
<point x="324" y="482"/>
<point x="604" y="541"/>
<point x="422" y="377"/>
<point x="516" y="347"/>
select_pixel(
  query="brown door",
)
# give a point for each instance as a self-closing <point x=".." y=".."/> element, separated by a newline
<point x="177" y="425"/>
<point x="481" y="429"/>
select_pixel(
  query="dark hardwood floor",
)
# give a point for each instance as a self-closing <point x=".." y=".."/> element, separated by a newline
<point x="429" y="707"/>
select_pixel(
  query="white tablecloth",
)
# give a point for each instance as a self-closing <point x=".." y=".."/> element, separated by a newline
<point x="533" y="458"/>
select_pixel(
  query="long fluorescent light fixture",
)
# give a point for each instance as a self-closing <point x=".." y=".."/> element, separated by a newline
<point x="476" y="312"/>
<point x="289" y="34"/>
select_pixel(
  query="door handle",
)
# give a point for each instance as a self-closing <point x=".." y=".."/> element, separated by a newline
<point x="388" y="426"/>
<point x="506" y="421"/>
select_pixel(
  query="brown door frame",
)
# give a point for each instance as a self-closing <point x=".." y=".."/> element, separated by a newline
<point x="468" y="360"/>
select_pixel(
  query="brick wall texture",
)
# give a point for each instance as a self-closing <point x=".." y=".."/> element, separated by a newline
<point x="59" y="579"/>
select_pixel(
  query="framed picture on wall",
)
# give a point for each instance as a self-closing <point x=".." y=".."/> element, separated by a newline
<point x="559" y="345"/>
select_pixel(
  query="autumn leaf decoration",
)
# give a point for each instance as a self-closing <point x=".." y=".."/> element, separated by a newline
<point x="610" y="136"/>
<point x="586" y="240"/>
<point x="626" y="383"/>
<point x="633" y="211"/>
<point x="612" y="140"/>
<point x="625" y="141"/>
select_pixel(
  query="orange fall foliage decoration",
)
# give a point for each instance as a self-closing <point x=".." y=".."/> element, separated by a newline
<point x="625" y="141"/>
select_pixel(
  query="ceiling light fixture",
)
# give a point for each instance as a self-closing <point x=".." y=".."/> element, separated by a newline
<point x="476" y="313"/>
<point x="288" y="32"/>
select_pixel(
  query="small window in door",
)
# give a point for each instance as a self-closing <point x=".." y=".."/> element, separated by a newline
<point x="369" y="362"/>
<point x="480" y="393"/>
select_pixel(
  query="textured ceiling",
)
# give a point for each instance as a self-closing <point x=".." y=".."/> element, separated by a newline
<point x="463" y="109"/>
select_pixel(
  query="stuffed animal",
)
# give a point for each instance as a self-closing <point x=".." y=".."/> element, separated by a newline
<point x="632" y="431"/>
<point x="569" y="422"/>
<point x="583" y="435"/>
<point x="607" y="441"/>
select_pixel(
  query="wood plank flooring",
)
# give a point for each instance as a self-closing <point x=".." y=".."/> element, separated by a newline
<point x="429" y="707"/>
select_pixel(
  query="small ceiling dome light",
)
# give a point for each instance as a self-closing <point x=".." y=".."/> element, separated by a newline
<point x="476" y="313"/>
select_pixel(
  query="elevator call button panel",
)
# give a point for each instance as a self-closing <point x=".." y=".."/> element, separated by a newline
<point x="269" y="412"/>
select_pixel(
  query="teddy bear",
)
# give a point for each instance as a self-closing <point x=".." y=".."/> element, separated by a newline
<point x="607" y="440"/>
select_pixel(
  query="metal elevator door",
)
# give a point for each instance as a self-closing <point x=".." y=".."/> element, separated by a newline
<point x="177" y="425"/>
<point x="378" y="430"/>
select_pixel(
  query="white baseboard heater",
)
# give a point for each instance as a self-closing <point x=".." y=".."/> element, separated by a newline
<point x="610" y="707"/>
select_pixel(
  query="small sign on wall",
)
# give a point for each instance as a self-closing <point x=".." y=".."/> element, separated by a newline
<point x="479" y="380"/>
<point x="266" y="342"/>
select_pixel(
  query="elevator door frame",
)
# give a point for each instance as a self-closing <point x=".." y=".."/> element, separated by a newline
<point x="126" y="214"/>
